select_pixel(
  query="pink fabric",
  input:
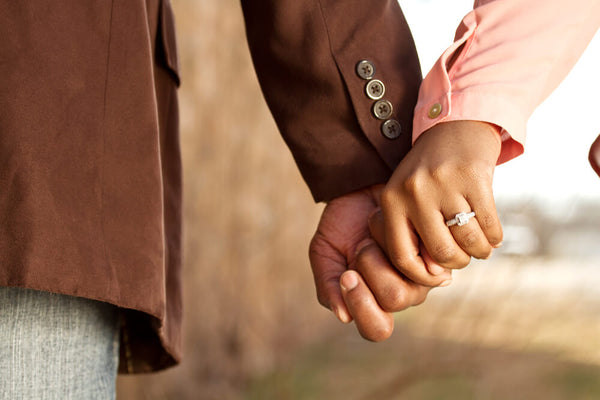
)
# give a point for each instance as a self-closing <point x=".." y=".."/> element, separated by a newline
<point x="514" y="54"/>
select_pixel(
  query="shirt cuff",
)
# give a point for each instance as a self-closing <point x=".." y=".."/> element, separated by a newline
<point x="437" y="103"/>
<point x="508" y="56"/>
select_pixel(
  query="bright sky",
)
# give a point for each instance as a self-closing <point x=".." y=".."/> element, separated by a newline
<point x="561" y="130"/>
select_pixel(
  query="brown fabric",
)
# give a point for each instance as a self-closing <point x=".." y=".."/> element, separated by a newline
<point x="90" y="165"/>
<point x="305" y="54"/>
<point x="89" y="154"/>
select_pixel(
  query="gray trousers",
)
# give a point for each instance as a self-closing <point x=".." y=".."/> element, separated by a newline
<point x="57" y="347"/>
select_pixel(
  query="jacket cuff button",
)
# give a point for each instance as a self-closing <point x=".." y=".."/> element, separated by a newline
<point x="375" y="89"/>
<point x="391" y="129"/>
<point x="365" y="69"/>
<point x="382" y="109"/>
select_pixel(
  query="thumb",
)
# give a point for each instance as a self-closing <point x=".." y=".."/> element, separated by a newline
<point x="372" y="322"/>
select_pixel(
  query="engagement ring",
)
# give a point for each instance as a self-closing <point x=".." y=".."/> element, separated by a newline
<point x="460" y="219"/>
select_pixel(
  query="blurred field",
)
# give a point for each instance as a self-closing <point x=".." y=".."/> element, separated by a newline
<point x="253" y="327"/>
<point x="248" y="219"/>
<point x="506" y="329"/>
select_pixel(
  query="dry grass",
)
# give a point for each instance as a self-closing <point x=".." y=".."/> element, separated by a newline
<point x="506" y="329"/>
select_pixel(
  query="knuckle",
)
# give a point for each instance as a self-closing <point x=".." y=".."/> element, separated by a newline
<point x="357" y="301"/>
<point x="444" y="254"/>
<point x="450" y="257"/>
<point x="472" y="172"/>
<point x="366" y="259"/>
<point x="486" y="254"/>
<point x="366" y="254"/>
<point x="478" y="171"/>
<point x="496" y="238"/>
<point x="322" y="299"/>
<point x="487" y="221"/>
<point x="414" y="271"/>
<point x="412" y="185"/>
<point x="483" y="253"/>
<point x="490" y="224"/>
<point x="388" y="197"/>
<point x="394" y="299"/>
<point x="402" y="263"/>
<point x="470" y="239"/>
<point x="385" y="331"/>
<point x="420" y="299"/>
<point x="326" y="289"/>
<point x="462" y="262"/>
<point x="441" y="174"/>
<point x="379" y="332"/>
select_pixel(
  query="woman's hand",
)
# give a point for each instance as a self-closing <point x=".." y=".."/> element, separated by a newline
<point x="448" y="171"/>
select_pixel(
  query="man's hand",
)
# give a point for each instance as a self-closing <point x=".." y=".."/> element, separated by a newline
<point x="449" y="170"/>
<point x="352" y="276"/>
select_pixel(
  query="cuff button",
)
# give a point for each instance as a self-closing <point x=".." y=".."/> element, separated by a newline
<point x="391" y="129"/>
<point x="382" y="109"/>
<point x="375" y="89"/>
<point x="435" y="111"/>
<point x="365" y="69"/>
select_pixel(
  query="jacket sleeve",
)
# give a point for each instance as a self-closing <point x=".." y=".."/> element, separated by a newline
<point x="508" y="56"/>
<point x="306" y="55"/>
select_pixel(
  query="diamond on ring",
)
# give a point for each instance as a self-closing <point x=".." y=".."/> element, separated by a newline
<point x="460" y="219"/>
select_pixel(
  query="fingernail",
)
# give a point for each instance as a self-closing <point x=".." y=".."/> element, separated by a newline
<point x="348" y="281"/>
<point x="342" y="315"/>
<point x="445" y="283"/>
<point x="497" y="245"/>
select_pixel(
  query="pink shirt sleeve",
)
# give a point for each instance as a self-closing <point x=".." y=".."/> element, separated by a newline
<point x="508" y="56"/>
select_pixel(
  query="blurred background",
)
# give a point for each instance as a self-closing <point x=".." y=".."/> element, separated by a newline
<point x="524" y="324"/>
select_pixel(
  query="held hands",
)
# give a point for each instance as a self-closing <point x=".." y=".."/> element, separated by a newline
<point x="352" y="275"/>
<point x="368" y="263"/>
